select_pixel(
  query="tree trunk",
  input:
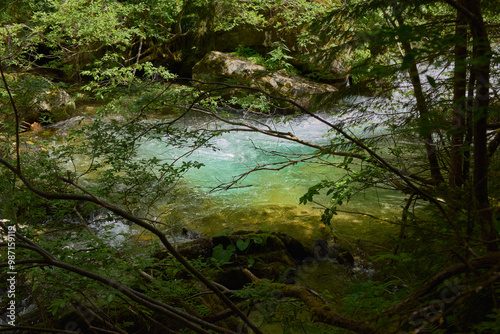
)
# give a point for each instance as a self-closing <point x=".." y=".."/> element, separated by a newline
<point x="422" y="108"/>
<point x="459" y="89"/>
<point x="468" y="125"/>
<point x="481" y="68"/>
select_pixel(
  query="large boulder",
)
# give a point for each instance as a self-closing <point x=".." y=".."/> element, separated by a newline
<point x="269" y="255"/>
<point x="223" y="67"/>
<point x="219" y="66"/>
<point x="55" y="104"/>
<point x="37" y="100"/>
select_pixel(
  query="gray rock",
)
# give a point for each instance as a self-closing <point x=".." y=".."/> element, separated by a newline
<point x="223" y="67"/>
<point x="56" y="102"/>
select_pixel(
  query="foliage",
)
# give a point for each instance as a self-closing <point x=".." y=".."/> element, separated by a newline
<point x="246" y="52"/>
<point x="253" y="103"/>
<point x="86" y="37"/>
<point x="340" y="191"/>
<point x="70" y="293"/>
<point x="434" y="147"/>
<point x="368" y="297"/>
<point x="283" y="16"/>
<point x="491" y="326"/>
<point x="278" y="58"/>
<point x="221" y="255"/>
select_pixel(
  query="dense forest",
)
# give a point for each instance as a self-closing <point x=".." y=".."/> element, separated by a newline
<point x="357" y="180"/>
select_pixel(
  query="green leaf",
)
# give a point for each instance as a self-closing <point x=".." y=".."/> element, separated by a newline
<point x="431" y="80"/>
<point x="110" y="298"/>
<point x="260" y="239"/>
<point x="222" y="256"/>
<point x="243" y="244"/>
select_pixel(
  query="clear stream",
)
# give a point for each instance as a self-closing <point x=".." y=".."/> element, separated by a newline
<point x="269" y="199"/>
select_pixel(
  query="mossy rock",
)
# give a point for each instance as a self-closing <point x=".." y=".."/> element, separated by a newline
<point x="223" y="67"/>
<point x="203" y="247"/>
<point x="38" y="99"/>
<point x="267" y="255"/>
<point x="265" y="242"/>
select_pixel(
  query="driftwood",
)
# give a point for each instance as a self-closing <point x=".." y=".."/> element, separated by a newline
<point x="25" y="126"/>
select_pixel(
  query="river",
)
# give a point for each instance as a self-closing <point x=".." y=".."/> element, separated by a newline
<point x="269" y="199"/>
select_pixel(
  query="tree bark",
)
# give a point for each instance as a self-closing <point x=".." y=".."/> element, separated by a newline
<point x="459" y="89"/>
<point x="481" y="68"/>
<point x="468" y="126"/>
<point x="422" y="107"/>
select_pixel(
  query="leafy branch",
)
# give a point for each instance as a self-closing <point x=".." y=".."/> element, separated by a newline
<point x="88" y="197"/>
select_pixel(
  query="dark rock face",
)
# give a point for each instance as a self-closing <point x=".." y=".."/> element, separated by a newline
<point x="322" y="250"/>
<point x="268" y="255"/>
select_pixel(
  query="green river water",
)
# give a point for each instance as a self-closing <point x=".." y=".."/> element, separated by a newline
<point x="266" y="200"/>
<point x="269" y="200"/>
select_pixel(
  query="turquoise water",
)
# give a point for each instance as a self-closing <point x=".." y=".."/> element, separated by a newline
<point x="267" y="199"/>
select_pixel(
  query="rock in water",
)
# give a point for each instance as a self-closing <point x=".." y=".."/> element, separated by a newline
<point x="224" y="67"/>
